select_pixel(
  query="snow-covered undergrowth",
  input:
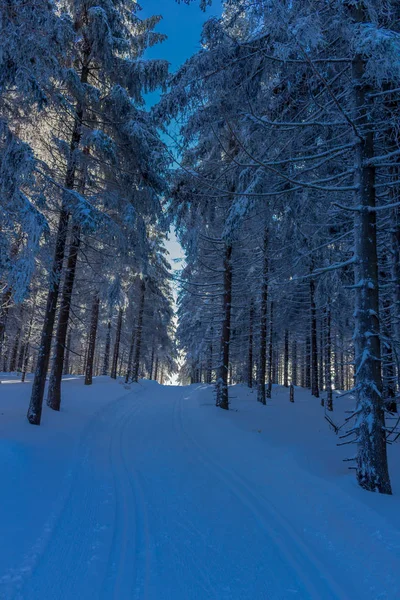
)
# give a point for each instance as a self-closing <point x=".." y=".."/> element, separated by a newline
<point x="153" y="493"/>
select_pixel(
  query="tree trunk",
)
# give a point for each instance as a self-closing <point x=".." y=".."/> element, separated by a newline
<point x="372" y="465"/>
<point x="114" y="365"/>
<point x="54" y="392"/>
<point x="130" y="356"/>
<point x="270" y="351"/>
<point x="294" y="362"/>
<point x="92" y="340"/>
<point x="35" y="408"/>
<point x="321" y="357"/>
<point x="222" y="383"/>
<point x="314" y="347"/>
<point x="286" y="360"/>
<point x="308" y="362"/>
<point x="66" y="368"/>
<point x="262" y="360"/>
<point x="250" y="348"/>
<point x="328" y="358"/>
<point x="106" y="362"/>
<point x="14" y="353"/>
<point x="139" y="331"/>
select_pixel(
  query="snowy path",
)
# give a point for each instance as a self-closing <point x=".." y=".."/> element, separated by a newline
<point x="155" y="510"/>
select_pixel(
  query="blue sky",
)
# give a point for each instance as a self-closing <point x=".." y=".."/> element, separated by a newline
<point x="182" y="24"/>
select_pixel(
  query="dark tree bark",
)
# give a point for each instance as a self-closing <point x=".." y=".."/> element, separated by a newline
<point x="321" y="357"/>
<point x="294" y="362"/>
<point x="262" y="359"/>
<point x="14" y="352"/>
<point x="286" y="360"/>
<point x="54" y="392"/>
<point x="308" y="363"/>
<point x="106" y="362"/>
<point x="156" y="370"/>
<point x="130" y="356"/>
<point x="250" y="348"/>
<point x="35" y="408"/>
<point x="270" y="350"/>
<point x="372" y="465"/>
<point x="92" y="340"/>
<point x="66" y="369"/>
<point x="314" y="347"/>
<point x="222" y="383"/>
<point x="114" y="365"/>
<point x="139" y="332"/>
<point x="328" y="358"/>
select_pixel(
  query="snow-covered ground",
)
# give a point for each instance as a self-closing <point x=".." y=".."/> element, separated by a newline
<point x="151" y="493"/>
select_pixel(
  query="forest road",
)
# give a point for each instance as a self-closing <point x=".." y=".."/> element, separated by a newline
<point x="153" y="514"/>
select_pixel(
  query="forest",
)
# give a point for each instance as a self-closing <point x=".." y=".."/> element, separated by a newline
<point x="211" y="425"/>
<point x="273" y="153"/>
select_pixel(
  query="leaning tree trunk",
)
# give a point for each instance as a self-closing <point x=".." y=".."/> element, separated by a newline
<point x="35" y="407"/>
<point x="54" y="393"/>
<point x="222" y="383"/>
<point x="372" y="465"/>
<point x="139" y="331"/>
<point x="92" y="340"/>
<point x="114" y="365"/>
<point x="262" y="359"/>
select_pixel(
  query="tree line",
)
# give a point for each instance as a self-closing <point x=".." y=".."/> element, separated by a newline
<point x="286" y="200"/>
<point x="85" y="280"/>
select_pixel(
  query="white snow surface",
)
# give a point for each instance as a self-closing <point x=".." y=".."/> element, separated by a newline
<point x="152" y="493"/>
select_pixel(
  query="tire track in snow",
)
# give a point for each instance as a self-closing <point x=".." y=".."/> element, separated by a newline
<point x="304" y="562"/>
<point x="131" y="541"/>
<point x="77" y="512"/>
<point x="121" y="567"/>
<point x="187" y="524"/>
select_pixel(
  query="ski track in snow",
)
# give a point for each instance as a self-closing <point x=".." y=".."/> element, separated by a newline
<point x="151" y="513"/>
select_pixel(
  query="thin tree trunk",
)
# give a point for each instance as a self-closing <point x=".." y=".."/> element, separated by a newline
<point x="222" y="383"/>
<point x="262" y="360"/>
<point x="286" y="360"/>
<point x="328" y="359"/>
<point x="308" y="363"/>
<point x="14" y="353"/>
<point x="139" y="331"/>
<point x="250" y="348"/>
<point x="130" y="356"/>
<point x="114" y="365"/>
<point x="294" y="362"/>
<point x="314" y="347"/>
<point x="106" y="362"/>
<point x="270" y="350"/>
<point x="92" y="340"/>
<point x="66" y="368"/>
